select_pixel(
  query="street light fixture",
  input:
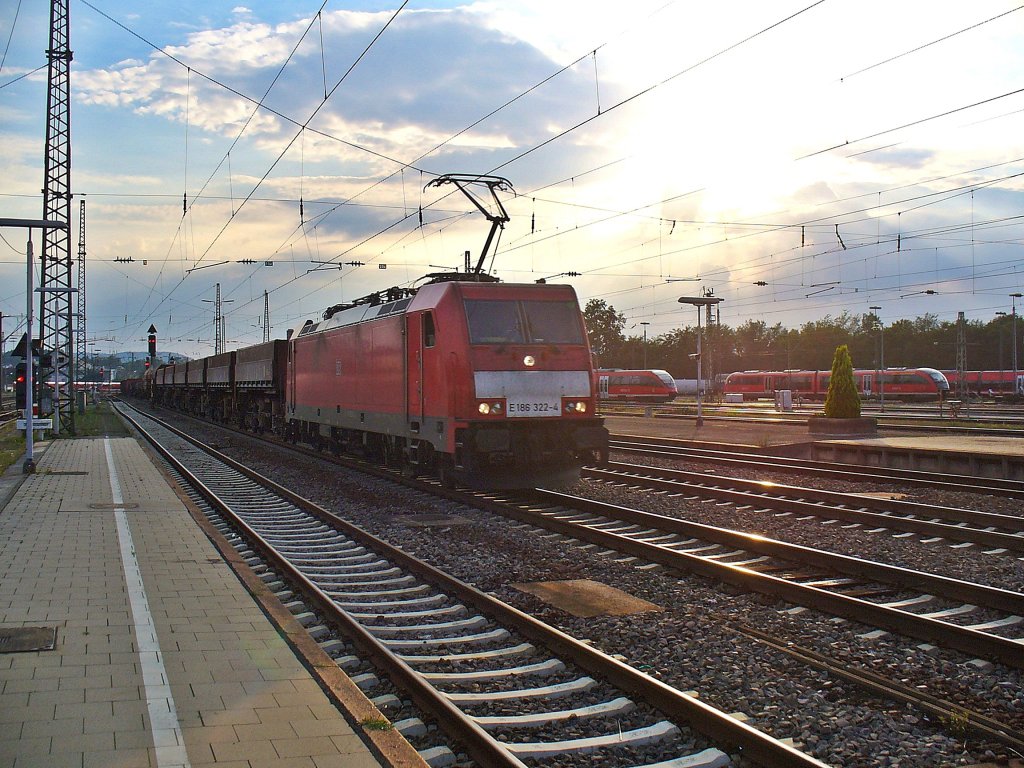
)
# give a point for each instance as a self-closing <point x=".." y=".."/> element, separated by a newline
<point x="881" y="360"/>
<point x="700" y="302"/>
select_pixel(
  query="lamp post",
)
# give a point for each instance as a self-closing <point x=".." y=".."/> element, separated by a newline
<point x="1002" y="369"/>
<point x="881" y="360"/>
<point x="29" y="465"/>
<point x="644" y="323"/>
<point x="700" y="302"/>
<point x="1013" y="318"/>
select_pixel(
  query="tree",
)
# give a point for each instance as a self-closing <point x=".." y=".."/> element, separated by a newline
<point x="604" y="328"/>
<point x="842" y="400"/>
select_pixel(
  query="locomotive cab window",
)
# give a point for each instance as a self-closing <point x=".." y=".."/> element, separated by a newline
<point x="523" y="322"/>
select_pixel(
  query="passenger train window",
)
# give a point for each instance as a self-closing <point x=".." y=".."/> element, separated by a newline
<point x="429" y="334"/>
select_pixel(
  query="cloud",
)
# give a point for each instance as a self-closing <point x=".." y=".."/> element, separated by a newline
<point x="898" y="158"/>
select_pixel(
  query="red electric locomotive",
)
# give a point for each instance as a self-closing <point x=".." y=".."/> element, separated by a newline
<point x="479" y="381"/>
<point x="467" y="378"/>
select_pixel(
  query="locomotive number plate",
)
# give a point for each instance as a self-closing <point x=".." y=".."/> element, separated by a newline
<point x="533" y="407"/>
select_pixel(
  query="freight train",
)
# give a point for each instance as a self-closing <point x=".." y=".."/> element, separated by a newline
<point x="466" y="378"/>
<point x="897" y="383"/>
<point x="649" y="386"/>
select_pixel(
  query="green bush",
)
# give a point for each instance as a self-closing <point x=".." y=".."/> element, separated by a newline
<point x="842" y="401"/>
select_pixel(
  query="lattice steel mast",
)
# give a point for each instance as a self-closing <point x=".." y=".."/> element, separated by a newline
<point x="266" y="316"/>
<point x="55" y="317"/>
<point x="81" y="347"/>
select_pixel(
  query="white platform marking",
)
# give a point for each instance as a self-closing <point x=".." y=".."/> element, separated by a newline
<point x="163" y="715"/>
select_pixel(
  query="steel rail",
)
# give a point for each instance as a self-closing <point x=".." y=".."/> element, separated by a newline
<point x="481" y="746"/>
<point x="720" y="727"/>
<point x="964" y="639"/>
<point x="960" y="514"/>
<point x="767" y="498"/>
<point x="981" y="724"/>
<point x="736" y="455"/>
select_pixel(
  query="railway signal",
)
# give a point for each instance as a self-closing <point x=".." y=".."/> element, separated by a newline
<point x="19" y="386"/>
<point x="152" y="345"/>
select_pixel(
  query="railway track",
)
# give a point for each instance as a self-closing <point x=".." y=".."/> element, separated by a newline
<point x="1005" y="533"/>
<point x="731" y="456"/>
<point x="904" y="601"/>
<point x="503" y="686"/>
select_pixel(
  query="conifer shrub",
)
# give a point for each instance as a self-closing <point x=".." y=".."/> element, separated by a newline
<point x="842" y="400"/>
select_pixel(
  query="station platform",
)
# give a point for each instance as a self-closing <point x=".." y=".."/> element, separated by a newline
<point x="982" y="456"/>
<point x="161" y="656"/>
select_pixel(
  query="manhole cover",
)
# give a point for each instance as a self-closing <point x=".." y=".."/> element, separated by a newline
<point x="16" y="639"/>
<point x="433" y="521"/>
<point x="586" y="598"/>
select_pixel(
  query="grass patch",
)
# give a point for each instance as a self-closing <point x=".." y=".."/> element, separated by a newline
<point x="376" y="724"/>
<point x="99" y="421"/>
<point x="12" y="446"/>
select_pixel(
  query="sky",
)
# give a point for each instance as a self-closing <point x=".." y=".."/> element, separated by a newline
<point x="795" y="159"/>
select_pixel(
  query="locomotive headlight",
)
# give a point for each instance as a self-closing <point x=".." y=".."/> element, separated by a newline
<point x="581" y="407"/>
<point x="496" y="408"/>
<point x="529" y="362"/>
<point x="484" y="408"/>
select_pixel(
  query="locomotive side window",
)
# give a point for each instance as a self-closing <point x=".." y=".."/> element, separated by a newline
<point x="429" y="334"/>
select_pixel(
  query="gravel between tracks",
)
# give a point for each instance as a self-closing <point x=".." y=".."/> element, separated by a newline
<point x="691" y="643"/>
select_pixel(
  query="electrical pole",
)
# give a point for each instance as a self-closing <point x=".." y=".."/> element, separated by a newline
<point x="644" y="323"/>
<point x="219" y="323"/>
<point x="963" y="392"/>
<point x="880" y="371"/>
<point x="55" y="274"/>
<point x="1013" y="318"/>
<point x="218" y="335"/>
<point x="266" y="317"/>
<point x="81" y="348"/>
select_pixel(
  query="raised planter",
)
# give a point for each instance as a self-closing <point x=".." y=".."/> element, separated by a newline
<point x="862" y="426"/>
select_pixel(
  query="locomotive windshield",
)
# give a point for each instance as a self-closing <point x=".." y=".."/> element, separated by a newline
<point x="523" y="322"/>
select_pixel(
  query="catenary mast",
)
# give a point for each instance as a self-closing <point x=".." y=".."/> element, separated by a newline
<point x="55" y="318"/>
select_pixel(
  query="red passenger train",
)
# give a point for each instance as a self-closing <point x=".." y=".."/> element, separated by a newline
<point x="985" y="382"/>
<point x="650" y="386"/>
<point x="897" y="383"/>
<point x="486" y="383"/>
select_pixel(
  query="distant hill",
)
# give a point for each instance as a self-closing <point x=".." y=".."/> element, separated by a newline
<point x="161" y="357"/>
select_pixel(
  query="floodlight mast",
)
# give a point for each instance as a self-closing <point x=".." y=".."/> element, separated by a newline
<point x="700" y="302"/>
<point x="493" y="184"/>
